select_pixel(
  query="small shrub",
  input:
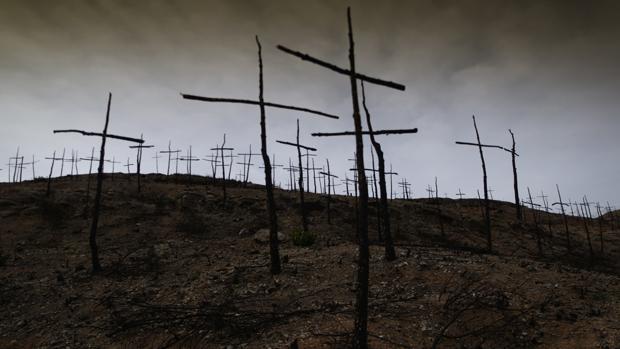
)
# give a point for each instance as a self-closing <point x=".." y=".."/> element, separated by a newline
<point x="302" y="238"/>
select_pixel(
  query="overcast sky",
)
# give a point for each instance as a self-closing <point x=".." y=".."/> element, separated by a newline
<point x="548" y="70"/>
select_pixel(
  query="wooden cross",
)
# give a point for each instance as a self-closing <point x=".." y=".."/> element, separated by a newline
<point x="223" y="164"/>
<point x="170" y="152"/>
<point x="487" y="206"/>
<point x="460" y="194"/>
<point x="307" y="155"/>
<point x="49" y="178"/>
<point x="405" y="186"/>
<point x="586" y="214"/>
<point x="491" y="191"/>
<point x="128" y="165"/>
<point x="299" y="147"/>
<point x="247" y="164"/>
<point x="360" y="334"/>
<point x="139" y="149"/>
<point x="113" y="162"/>
<point x="538" y="238"/>
<point x="157" y="157"/>
<point x="97" y="207"/>
<point x="600" y="225"/>
<point x="32" y="163"/>
<point x="291" y="174"/>
<point x="189" y="159"/>
<point x="274" y="167"/>
<point x="17" y="159"/>
<point x="547" y="210"/>
<point x="273" y="225"/>
<point x="329" y="177"/>
<point x="430" y="191"/>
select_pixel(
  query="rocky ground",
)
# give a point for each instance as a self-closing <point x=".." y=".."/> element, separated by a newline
<point x="182" y="269"/>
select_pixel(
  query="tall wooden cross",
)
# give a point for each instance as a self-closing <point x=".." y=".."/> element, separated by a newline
<point x="221" y="149"/>
<point x="262" y="104"/>
<point x="585" y="215"/>
<point x="246" y="164"/>
<point x="430" y="191"/>
<point x="328" y="174"/>
<point x="460" y="194"/>
<point x="189" y="159"/>
<point x="113" y="162"/>
<point x="49" y="178"/>
<point x="405" y="188"/>
<point x="32" y="163"/>
<point x="487" y="206"/>
<point x="139" y="149"/>
<point x="128" y="165"/>
<point x="532" y="206"/>
<point x="360" y="337"/>
<point x="157" y="157"/>
<point x="547" y="210"/>
<point x="97" y="207"/>
<point x="170" y="152"/>
<point x="302" y="204"/>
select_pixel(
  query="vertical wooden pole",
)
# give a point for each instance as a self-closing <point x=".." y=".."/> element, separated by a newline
<point x="487" y="208"/>
<point x="304" y="219"/>
<point x="567" y="233"/>
<point x="274" y="251"/>
<point x="49" y="178"/>
<point x="97" y="207"/>
<point x="360" y="334"/>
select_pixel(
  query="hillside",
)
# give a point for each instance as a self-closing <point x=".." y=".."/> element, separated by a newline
<point x="181" y="269"/>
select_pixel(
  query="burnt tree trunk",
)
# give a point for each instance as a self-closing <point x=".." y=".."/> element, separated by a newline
<point x="49" y="178"/>
<point x="271" y="205"/>
<point x="537" y="231"/>
<point x="516" y="182"/>
<point x="487" y="208"/>
<point x="567" y="232"/>
<point x="390" y="253"/>
<point x="360" y="334"/>
<point x="302" y="209"/>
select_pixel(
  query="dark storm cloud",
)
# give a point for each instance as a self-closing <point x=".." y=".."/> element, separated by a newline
<point x="546" y="69"/>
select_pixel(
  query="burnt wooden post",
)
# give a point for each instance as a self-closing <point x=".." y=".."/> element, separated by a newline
<point x="514" y="155"/>
<point x="113" y="162"/>
<point x="271" y="208"/>
<point x="430" y="191"/>
<point x="439" y="212"/>
<point x="538" y="238"/>
<point x="128" y="165"/>
<point x="600" y="225"/>
<point x="170" y="152"/>
<point x="189" y="159"/>
<point x="584" y="216"/>
<point x="546" y="207"/>
<point x="97" y="207"/>
<point x="16" y="166"/>
<point x="487" y="206"/>
<point x="612" y="217"/>
<point x="302" y="204"/>
<point x="62" y="162"/>
<point x="562" y="205"/>
<point x="328" y="175"/>
<point x="247" y="164"/>
<point x="405" y="188"/>
<point x="223" y="165"/>
<point x="49" y="178"/>
<point x="157" y="157"/>
<point x="307" y="155"/>
<point x="360" y="335"/>
<point x="139" y="149"/>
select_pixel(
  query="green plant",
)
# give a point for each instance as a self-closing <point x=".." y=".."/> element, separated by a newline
<point x="302" y="238"/>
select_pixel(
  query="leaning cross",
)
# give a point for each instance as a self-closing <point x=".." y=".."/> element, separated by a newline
<point x="97" y="207"/>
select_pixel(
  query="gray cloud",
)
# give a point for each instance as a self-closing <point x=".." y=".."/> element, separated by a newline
<point x="546" y="69"/>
